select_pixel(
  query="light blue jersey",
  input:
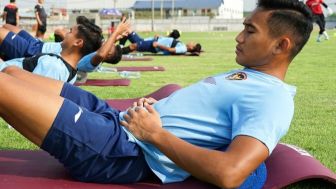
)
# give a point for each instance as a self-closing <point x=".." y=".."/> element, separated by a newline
<point x="84" y="63"/>
<point x="52" y="47"/>
<point x="48" y="66"/>
<point x="212" y="112"/>
<point x="180" y="48"/>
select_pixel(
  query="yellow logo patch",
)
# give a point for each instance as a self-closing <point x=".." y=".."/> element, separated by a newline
<point x="237" y="76"/>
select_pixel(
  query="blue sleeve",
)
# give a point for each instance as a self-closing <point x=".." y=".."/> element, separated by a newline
<point x="84" y="63"/>
<point x="266" y="118"/>
<point x="180" y="48"/>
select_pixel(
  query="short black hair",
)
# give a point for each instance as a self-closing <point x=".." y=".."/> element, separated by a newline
<point x="197" y="48"/>
<point x="12" y="1"/>
<point x="116" y="56"/>
<point x="91" y="33"/>
<point x="174" y="34"/>
<point x="291" y="17"/>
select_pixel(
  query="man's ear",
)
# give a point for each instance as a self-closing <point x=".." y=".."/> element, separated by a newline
<point x="283" y="45"/>
<point x="79" y="43"/>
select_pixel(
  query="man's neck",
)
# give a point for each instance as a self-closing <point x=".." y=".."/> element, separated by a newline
<point x="71" y="58"/>
<point x="277" y="69"/>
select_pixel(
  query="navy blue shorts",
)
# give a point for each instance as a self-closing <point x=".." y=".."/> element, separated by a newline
<point x="87" y="139"/>
<point x="142" y="45"/>
<point x="20" y="45"/>
<point x="146" y="46"/>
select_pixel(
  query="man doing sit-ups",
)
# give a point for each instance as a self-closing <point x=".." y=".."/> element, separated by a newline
<point x="55" y="60"/>
<point x="219" y="130"/>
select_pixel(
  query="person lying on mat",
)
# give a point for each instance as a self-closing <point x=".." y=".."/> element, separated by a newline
<point x="220" y="130"/>
<point x="55" y="60"/>
<point x="159" y="44"/>
<point x="108" y="52"/>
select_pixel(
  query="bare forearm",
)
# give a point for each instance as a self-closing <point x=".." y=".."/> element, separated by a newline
<point x="103" y="51"/>
<point x="17" y="20"/>
<point x="207" y="165"/>
<point x="225" y="169"/>
<point x="38" y="19"/>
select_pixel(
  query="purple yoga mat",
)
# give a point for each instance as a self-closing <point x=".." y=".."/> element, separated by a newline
<point x="105" y="82"/>
<point x="123" y="104"/>
<point x="135" y="58"/>
<point x="38" y="170"/>
<point x="289" y="164"/>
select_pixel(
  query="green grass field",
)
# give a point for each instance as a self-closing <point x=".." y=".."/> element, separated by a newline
<point x="313" y="72"/>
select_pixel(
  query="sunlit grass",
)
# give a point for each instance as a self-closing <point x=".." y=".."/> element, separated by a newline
<point x="313" y="72"/>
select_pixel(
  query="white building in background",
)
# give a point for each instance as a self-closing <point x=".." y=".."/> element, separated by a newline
<point x="222" y="9"/>
<point x="99" y="4"/>
<point x="231" y="9"/>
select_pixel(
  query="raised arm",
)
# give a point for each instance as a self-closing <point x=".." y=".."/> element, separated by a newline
<point x="106" y="48"/>
<point x="226" y="169"/>
<point x="324" y="5"/>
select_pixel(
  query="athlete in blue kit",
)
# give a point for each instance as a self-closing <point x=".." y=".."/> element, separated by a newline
<point x="58" y="61"/>
<point x="50" y="52"/>
<point x="219" y="130"/>
<point x="165" y="45"/>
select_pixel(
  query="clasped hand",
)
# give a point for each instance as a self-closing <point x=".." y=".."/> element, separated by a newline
<point x="142" y="120"/>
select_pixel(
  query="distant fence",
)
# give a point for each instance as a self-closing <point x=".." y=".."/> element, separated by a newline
<point x="186" y="24"/>
<point x="197" y="24"/>
<point x="331" y="24"/>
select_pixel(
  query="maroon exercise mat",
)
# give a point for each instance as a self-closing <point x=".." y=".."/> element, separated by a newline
<point x="140" y="68"/>
<point x="135" y="58"/>
<point x="289" y="164"/>
<point x="123" y="104"/>
<point x="38" y="170"/>
<point x="105" y="82"/>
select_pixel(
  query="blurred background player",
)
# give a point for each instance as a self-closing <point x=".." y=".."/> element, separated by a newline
<point x="41" y="18"/>
<point x="11" y="13"/>
<point x="316" y="8"/>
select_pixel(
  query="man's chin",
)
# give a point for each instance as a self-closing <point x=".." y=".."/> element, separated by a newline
<point x="238" y="61"/>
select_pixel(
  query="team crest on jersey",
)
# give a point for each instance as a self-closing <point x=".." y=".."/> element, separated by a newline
<point x="237" y="76"/>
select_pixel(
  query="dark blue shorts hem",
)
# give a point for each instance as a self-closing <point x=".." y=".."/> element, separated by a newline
<point x="19" y="45"/>
<point x="93" y="146"/>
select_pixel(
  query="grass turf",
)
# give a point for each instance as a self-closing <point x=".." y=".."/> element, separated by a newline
<point x="313" y="127"/>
